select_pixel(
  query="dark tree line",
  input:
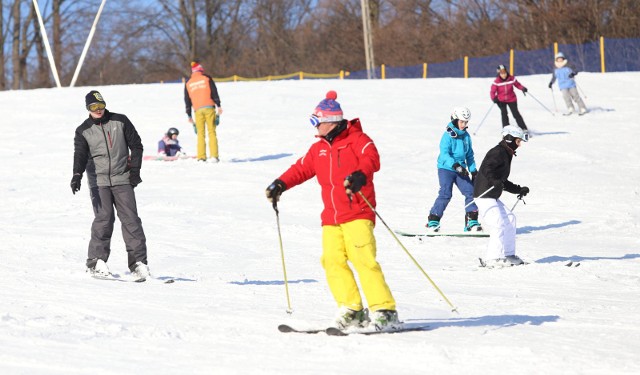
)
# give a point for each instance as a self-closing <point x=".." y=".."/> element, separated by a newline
<point x="139" y="41"/>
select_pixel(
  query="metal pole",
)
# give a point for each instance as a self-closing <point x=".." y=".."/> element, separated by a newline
<point x="47" y="47"/>
<point x="284" y="268"/>
<point x="485" y="116"/>
<point x="455" y="309"/>
<point x="86" y="45"/>
<point x="368" y="42"/>
<point x="539" y="102"/>
<point x="480" y="196"/>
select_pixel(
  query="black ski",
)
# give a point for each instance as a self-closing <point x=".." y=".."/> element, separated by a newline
<point x="288" y="329"/>
<point x="332" y="331"/>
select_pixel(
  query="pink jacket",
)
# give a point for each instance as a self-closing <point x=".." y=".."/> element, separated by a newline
<point x="503" y="89"/>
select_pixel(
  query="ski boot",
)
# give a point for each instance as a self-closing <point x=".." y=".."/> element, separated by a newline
<point x="386" y="320"/>
<point x="348" y="318"/>
<point x="434" y="223"/>
<point x="98" y="268"/>
<point x="141" y="271"/>
<point x="471" y="222"/>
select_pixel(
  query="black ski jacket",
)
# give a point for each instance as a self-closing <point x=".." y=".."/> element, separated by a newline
<point x="494" y="171"/>
<point x="107" y="148"/>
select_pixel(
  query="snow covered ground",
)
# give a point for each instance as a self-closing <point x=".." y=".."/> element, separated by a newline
<point x="211" y="227"/>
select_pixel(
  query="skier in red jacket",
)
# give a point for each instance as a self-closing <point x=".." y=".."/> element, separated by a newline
<point x="503" y="95"/>
<point x="344" y="160"/>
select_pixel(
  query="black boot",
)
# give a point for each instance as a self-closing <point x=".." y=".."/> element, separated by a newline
<point x="471" y="223"/>
<point x="434" y="223"/>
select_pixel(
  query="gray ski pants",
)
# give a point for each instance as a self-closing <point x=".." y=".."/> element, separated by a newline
<point x="572" y="93"/>
<point x="104" y="199"/>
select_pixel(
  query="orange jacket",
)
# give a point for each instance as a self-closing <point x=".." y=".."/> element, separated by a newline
<point x="199" y="92"/>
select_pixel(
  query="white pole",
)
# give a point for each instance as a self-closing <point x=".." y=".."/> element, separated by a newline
<point x="47" y="47"/>
<point x="86" y="45"/>
<point x="368" y="42"/>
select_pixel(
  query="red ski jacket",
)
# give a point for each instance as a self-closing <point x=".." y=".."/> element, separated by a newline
<point x="503" y="89"/>
<point x="331" y="163"/>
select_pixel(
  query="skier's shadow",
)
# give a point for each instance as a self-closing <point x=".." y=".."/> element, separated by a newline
<point x="529" y="229"/>
<point x="577" y="258"/>
<point x="271" y="282"/>
<point x="497" y="321"/>
<point x="260" y="158"/>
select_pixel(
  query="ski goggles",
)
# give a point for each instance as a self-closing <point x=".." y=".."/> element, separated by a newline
<point x="315" y="120"/>
<point x="96" y="107"/>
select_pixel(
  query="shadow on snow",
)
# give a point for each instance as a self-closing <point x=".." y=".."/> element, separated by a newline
<point x="529" y="229"/>
<point x="260" y="158"/>
<point x="271" y="282"/>
<point x="577" y="258"/>
<point x="499" y="321"/>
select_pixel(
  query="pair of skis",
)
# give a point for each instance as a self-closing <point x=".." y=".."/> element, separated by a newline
<point x="111" y="277"/>
<point x="333" y="331"/>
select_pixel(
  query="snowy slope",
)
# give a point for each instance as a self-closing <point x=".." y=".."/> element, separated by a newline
<point x="211" y="227"/>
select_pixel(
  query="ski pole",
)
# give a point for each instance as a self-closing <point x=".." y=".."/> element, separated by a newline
<point x="518" y="201"/>
<point x="480" y="196"/>
<point x="539" y="102"/>
<point x="580" y="88"/>
<point x="284" y="268"/>
<point x="482" y="122"/>
<point x="554" y="100"/>
<point x="454" y="309"/>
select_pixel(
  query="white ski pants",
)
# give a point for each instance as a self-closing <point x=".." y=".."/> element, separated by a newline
<point x="501" y="223"/>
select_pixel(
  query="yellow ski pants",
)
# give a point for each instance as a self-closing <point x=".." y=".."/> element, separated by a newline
<point x="354" y="241"/>
<point x="206" y="117"/>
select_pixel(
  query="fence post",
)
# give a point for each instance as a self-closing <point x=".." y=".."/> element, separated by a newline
<point x="511" y="62"/>
<point x="301" y="76"/>
<point x="466" y="67"/>
<point x="555" y="50"/>
<point x="235" y="78"/>
<point x="424" y="70"/>
<point x="383" y="72"/>
<point x="602" y="53"/>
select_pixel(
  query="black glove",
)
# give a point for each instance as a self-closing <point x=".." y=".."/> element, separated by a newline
<point x="134" y="177"/>
<point x="524" y="91"/>
<point x="523" y="192"/>
<point x="75" y="183"/>
<point x="461" y="171"/>
<point x="354" y="182"/>
<point x="550" y="84"/>
<point x="473" y="175"/>
<point x="275" y="190"/>
<point x="495" y="100"/>
<point x="573" y="74"/>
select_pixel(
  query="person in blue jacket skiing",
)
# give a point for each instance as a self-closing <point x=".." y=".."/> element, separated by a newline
<point x="567" y="84"/>
<point x="456" y="164"/>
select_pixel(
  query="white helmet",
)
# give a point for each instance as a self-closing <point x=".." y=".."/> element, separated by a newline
<point x="461" y="113"/>
<point x="514" y="131"/>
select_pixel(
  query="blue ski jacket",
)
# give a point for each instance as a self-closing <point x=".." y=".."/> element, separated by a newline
<point x="456" y="147"/>
<point x="562" y="75"/>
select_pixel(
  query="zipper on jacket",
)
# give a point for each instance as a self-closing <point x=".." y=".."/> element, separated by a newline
<point x="108" y="142"/>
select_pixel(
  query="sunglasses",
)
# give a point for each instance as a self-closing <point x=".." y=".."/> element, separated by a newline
<point x="96" y="107"/>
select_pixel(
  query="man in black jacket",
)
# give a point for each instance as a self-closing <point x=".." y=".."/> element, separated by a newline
<point x="491" y="180"/>
<point x="101" y="148"/>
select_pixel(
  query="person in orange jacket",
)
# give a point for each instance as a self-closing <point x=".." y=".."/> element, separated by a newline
<point x="200" y="92"/>
<point x="344" y="160"/>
